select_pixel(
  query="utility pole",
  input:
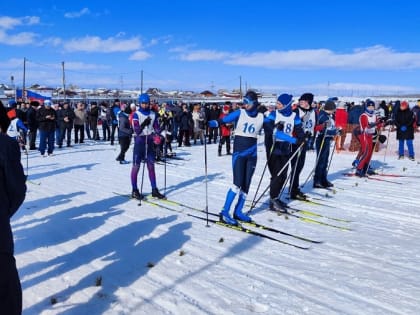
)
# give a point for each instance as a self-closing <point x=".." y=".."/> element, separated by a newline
<point x="12" y="80"/>
<point x="141" y="82"/>
<point x="64" y="81"/>
<point x="24" y="77"/>
<point x="240" y="87"/>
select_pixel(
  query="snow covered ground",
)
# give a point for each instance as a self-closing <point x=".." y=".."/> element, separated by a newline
<point x="83" y="249"/>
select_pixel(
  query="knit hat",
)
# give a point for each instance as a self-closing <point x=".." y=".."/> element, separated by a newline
<point x="285" y="99"/>
<point x="309" y="97"/>
<point x="11" y="113"/>
<point x="369" y="102"/>
<point x="34" y="103"/>
<point x="404" y="104"/>
<point x="329" y="105"/>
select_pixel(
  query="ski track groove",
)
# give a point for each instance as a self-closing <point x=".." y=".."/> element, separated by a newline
<point x="354" y="253"/>
<point x="311" y="282"/>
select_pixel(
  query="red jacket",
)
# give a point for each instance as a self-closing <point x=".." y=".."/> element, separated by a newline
<point x="341" y="116"/>
<point x="225" y="129"/>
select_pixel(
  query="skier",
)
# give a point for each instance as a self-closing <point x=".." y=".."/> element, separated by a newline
<point x="307" y="115"/>
<point x="146" y="130"/>
<point x="368" y="127"/>
<point x="282" y="123"/>
<point x="326" y="131"/>
<point x="17" y="129"/>
<point x="248" y="124"/>
<point x="124" y="132"/>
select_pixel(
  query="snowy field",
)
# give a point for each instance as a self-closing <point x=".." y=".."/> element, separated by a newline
<point x="82" y="248"/>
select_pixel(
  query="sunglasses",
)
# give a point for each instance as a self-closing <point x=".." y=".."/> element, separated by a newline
<point x="247" y="101"/>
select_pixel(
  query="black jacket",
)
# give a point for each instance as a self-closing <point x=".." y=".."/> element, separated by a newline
<point x="65" y="112"/>
<point x="404" y="118"/>
<point x="12" y="189"/>
<point x="45" y="123"/>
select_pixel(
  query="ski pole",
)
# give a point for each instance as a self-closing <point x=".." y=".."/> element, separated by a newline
<point x="316" y="161"/>
<point x="262" y="175"/>
<point x="142" y="173"/>
<point x="331" y="157"/>
<point x="374" y="149"/>
<point x="386" y="147"/>
<point x="294" y="170"/>
<point x="206" y="179"/>
<point x="277" y="175"/>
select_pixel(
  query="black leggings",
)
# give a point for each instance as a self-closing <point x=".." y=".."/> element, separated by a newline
<point x="10" y="289"/>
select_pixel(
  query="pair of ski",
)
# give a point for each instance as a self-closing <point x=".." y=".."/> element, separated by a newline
<point x="376" y="178"/>
<point x="173" y="205"/>
<point x="291" y="211"/>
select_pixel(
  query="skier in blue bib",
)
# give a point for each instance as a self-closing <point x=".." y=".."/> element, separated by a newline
<point x="248" y="123"/>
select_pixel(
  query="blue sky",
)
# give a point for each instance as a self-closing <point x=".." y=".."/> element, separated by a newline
<point x="326" y="47"/>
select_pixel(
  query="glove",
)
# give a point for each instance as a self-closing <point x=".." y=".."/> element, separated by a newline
<point x="300" y="141"/>
<point x="156" y="139"/>
<point x="308" y="135"/>
<point x="280" y="126"/>
<point x="146" y="122"/>
<point x="403" y="128"/>
<point x="213" y="124"/>
<point x="382" y="138"/>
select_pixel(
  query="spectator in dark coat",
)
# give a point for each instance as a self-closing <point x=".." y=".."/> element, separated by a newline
<point x="65" y="117"/>
<point x="47" y="118"/>
<point x="185" y="123"/>
<point x="213" y="114"/>
<point x="124" y="132"/>
<point x="93" y="120"/>
<point x="32" y="123"/>
<point x="404" y="122"/>
<point x="12" y="195"/>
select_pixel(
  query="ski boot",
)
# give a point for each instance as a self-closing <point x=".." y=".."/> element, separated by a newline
<point x="225" y="217"/>
<point x="238" y="214"/>
<point x="135" y="194"/>
<point x="278" y="205"/>
<point x="157" y="194"/>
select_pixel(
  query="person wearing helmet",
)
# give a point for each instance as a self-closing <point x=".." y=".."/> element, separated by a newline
<point x="248" y="122"/>
<point x="47" y="118"/>
<point x="146" y="134"/>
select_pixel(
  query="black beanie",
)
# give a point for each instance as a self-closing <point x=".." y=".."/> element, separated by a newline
<point x="309" y="97"/>
<point x="329" y="105"/>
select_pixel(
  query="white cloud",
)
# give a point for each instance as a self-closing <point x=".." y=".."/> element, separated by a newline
<point x="204" y="55"/>
<point x="371" y="58"/>
<point x="73" y="15"/>
<point x="76" y="65"/>
<point x="18" y="39"/>
<point x="140" y="55"/>
<point x="97" y="44"/>
<point x="7" y="22"/>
